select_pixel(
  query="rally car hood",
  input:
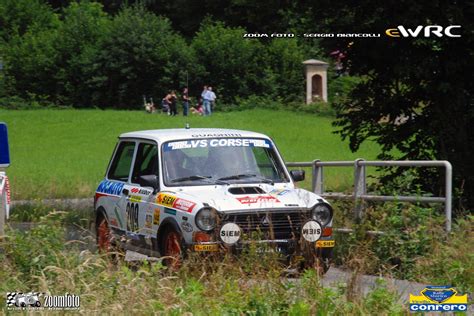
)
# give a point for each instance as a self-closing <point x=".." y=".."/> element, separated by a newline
<point x="242" y="197"/>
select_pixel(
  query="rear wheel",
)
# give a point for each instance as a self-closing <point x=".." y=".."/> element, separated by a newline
<point x="172" y="248"/>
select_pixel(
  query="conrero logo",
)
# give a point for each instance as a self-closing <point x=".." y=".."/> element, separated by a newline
<point x="424" y="31"/>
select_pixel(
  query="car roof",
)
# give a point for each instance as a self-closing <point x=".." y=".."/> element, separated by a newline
<point x="163" y="135"/>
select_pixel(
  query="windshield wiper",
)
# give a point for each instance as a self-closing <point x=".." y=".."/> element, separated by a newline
<point x="247" y="175"/>
<point x="198" y="177"/>
<point x="191" y="178"/>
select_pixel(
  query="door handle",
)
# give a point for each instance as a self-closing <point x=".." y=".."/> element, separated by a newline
<point x="125" y="192"/>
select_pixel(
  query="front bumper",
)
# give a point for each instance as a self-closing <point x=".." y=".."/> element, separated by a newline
<point x="283" y="246"/>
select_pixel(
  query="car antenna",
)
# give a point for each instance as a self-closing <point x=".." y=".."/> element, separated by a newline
<point x="187" y="126"/>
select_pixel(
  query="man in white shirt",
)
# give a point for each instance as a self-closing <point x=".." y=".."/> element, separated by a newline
<point x="209" y="100"/>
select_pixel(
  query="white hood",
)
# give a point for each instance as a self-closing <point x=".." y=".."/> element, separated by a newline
<point x="274" y="197"/>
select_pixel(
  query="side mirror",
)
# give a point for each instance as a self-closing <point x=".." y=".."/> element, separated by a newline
<point x="297" y="175"/>
<point x="149" y="180"/>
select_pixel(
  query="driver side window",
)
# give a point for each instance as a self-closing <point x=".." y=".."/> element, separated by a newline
<point x="146" y="161"/>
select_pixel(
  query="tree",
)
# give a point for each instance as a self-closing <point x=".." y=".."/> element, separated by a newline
<point x="139" y="55"/>
<point x="416" y="94"/>
<point x="232" y="63"/>
<point x="84" y="24"/>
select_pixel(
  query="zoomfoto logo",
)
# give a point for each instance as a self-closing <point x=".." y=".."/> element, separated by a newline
<point x="424" y="31"/>
<point x="37" y="300"/>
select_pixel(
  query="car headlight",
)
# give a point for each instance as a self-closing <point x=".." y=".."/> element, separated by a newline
<point x="206" y="219"/>
<point x="322" y="213"/>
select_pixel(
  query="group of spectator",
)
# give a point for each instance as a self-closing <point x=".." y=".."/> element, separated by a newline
<point x="204" y="105"/>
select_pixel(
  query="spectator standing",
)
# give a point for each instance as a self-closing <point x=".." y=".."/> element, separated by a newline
<point x="212" y="98"/>
<point x="185" y="102"/>
<point x="173" y="99"/>
<point x="205" y="102"/>
<point x="166" y="102"/>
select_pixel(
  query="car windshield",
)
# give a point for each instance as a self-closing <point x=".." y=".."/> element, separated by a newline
<point x="221" y="161"/>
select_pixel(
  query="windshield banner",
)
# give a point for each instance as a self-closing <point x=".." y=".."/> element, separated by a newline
<point x="218" y="142"/>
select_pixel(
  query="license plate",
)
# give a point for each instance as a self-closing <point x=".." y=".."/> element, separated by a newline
<point x="206" y="247"/>
<point x="325" y="243"/>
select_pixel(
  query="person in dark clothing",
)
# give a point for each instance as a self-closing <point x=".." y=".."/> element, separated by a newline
<point x="185" y="102"/>
<point x="173" y="99"/>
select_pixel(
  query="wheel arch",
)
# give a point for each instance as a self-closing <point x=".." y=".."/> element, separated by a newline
<point x="166" y="224"/>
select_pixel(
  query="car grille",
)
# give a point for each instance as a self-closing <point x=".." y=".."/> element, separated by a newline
<point x="270" y="225"/>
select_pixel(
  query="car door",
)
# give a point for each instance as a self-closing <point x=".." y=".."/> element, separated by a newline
<point x="141" y="197"/>
<point x="119" y="175"/>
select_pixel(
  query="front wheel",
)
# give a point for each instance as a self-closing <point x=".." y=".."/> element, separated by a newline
<point x="172" y="249"/>
<point x="104" y="237"/>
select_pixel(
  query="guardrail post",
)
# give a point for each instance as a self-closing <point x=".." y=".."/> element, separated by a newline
<point x="448" y="195"/>
<point x="3" y="203"/>
<point x="317" y="184"/>
<point x="359" y="188"/>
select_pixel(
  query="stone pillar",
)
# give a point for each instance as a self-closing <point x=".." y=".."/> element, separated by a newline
<point x="316" y="80"/>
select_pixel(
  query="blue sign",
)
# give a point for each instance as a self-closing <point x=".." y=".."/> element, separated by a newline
<point x="4" y="149"/>
<point x="438" y="293"/>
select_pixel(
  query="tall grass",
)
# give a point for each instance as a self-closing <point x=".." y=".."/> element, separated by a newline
<point x="64" y="153"/>
<point x="42" y="261"/>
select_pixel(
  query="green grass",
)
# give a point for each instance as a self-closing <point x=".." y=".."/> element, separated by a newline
<point x="252" y="284"/>
<point x="64" y="153"/>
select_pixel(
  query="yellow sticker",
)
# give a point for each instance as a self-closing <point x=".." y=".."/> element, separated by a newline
<point x="156" y="217"/>
<point x="206" y="247"/>
<point x="166" y="199"/>
<point x="325" y="243"/>
<point x="135" y="198"/>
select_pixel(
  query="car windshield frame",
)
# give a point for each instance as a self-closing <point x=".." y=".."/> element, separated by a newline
<point x="278" y="166"/>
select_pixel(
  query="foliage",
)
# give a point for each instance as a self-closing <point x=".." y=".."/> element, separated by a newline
<point x="39" y="260"/>
<point x="231" y="63"/>
<point x="413" y="97"/>
<point x="450" y="262"/>
<point x="83" y="26"/>
<point x="80" y="55"/>
<point x="414" y="245"/>
<point x="17" y="17"/>
<point x="139" y="55"/>
<point x="284" y="73"/>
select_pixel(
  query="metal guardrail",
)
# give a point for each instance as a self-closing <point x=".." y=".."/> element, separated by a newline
<point x="360" y="184"/>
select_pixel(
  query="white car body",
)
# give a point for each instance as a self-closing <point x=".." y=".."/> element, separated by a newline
<point x="138" y="214"/>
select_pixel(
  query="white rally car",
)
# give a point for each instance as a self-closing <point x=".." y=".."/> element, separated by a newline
<point x="167" y="192"/>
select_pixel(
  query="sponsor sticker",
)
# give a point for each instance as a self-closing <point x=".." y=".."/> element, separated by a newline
<point x="148" y="220"/>
<point x="184" y="205"/>
<point x="166" y="199"/>
<point x="110" y="187"/>
<point x="438" y="299"/>
<point x="325" y="243"/>
<point x="230" y="233"/>
<point x="212" y="248"/>
<point x="135" y="198"/>
<point x="170" y="211"/>
<point x="279" y="192"/>
<point x="140" y="191"/>
<point x="217" y="142"/>
<point x="311" y="231"/>
<point x="156" y="216"/>
<point x="187" y="227"/>
<point x="257" y="199"/>
<point x="174" y="202"/>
